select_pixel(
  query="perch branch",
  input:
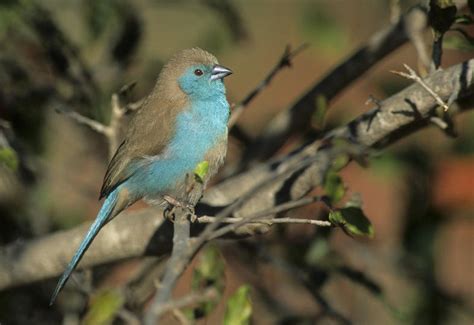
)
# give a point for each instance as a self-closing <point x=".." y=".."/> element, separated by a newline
<point x="181" y="254"/>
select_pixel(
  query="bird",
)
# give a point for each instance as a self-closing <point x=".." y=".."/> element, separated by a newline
<point x="181" y="125"/>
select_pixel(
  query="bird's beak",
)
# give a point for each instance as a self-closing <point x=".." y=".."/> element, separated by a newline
<point x="219" y="72"/>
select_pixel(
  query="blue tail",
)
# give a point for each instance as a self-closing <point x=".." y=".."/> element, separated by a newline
<point x="101" y="219"/>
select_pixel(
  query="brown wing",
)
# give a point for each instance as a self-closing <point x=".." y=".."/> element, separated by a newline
<point x="150" y="129"/>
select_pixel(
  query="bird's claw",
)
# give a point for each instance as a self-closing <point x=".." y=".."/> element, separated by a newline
<point x="173" y="203"/>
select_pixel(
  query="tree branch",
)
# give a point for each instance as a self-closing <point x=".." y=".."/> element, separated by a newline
<point x="181" y="254"/>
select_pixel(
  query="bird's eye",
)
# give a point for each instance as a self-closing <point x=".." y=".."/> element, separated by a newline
<point x="198" y="72"/>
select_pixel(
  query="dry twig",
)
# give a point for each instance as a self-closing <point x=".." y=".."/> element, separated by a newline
<point x="268" y="221"/>
<point x="188" y="300"/>
<point x="414" y="76"/>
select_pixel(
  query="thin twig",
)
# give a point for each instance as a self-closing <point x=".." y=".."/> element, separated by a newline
<point x="181" y="317"/>
<point x="111" y="131"/>
<point x="191" y="299"/>
<point x="256" y="216"/>
<point x="414" y="76"/>
<point x="130" y="107"/>
<point x="271" y="221"/>
<point x="415" y="28"/>
<point x="83" y="120"/>
<point x="128" y="317"/>
<point x="285" y="61"/>
<point x="395" y="11"/>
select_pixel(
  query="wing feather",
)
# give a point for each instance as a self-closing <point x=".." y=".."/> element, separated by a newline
<point x="150" y="129"/>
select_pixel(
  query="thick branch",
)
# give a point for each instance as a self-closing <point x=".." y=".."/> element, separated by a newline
<point x="135" y="233"/>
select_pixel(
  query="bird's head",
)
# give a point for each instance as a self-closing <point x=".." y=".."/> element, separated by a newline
<point x="196" y="73"/>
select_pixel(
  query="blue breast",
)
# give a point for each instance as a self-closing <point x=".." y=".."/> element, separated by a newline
<point x="198" y="129"/>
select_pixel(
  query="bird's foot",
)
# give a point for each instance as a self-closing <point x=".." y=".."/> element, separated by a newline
<point x="173" y="204"/>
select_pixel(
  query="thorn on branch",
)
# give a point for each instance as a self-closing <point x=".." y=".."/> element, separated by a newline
<point x="414" y="76"/>
<point x="127" y="89"/>
<point x="444" y="122"/>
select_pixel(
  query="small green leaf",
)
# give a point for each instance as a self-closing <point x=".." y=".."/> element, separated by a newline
<point x="319" y="114"/>
<point x="461" y="41"/>
<point x="340" y="162"/>
<point x="335" y="217"/>
<point x="104" y="307"/>
<point x="464" y="20"/>
<point x="209" y="271"/>
<point x="320" y="24"/>
<point x="98" y="15"/>
<point x="334" y="187"/>
<point x="9" y="158"/>
<point x="201" y="170"/>
<point x="239" y="307"/>
<point x="318" y="250"/>
<point x="353" y="221"/>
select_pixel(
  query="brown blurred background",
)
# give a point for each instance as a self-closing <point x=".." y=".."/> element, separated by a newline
<point x="418" y="194"/>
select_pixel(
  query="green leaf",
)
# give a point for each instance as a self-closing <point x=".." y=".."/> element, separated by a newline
<point x="9" y="158"/>
<point x="334" y="187"/>
<point x="209" y="271"/>
<point x="201" y="170"/>
<point x="239" y="307"/>
<point x="319" y="24"/>
<point x="464" y="20"/>
<point x="335" y="217"/>
<point x="319" y="114"/>
<point x="353" y="221"/>
<point x="318" y="250"/>
<point x="210" y="267"/>
<point x="98" y="15"/>
<point x="104" y="307"/>
<point x="340" y="162"/>
<point x="462" y="41"/>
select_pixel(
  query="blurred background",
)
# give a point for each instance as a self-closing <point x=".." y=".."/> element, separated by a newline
<point x="72" y="55"/>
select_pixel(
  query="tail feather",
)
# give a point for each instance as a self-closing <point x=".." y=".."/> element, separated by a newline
<point x="101" y="219"/>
